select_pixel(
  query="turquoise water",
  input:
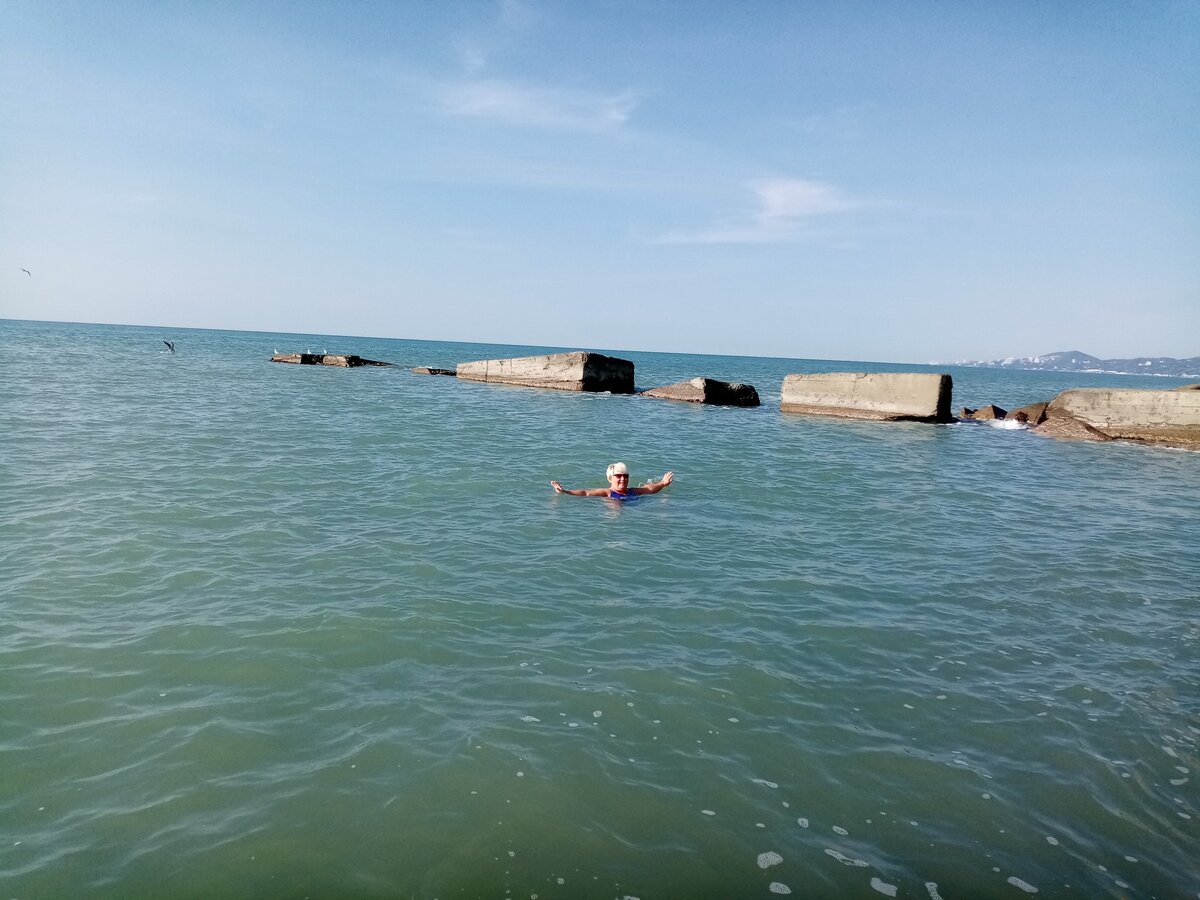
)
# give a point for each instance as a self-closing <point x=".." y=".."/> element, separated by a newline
<point x="284" y="631"/>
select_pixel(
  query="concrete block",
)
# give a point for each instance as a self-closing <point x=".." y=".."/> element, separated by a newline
<point x="896" y="396"/>
<point x="1169" y="416"/>
<point x="707" y="390"/>
<point x="1068" y="428"/>
<point x="575" y="371"/>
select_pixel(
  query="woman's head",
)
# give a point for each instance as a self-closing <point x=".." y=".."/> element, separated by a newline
<point x="618" y="474"/>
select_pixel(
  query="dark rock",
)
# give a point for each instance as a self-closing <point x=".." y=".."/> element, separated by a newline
<point x="707" y="390"/>
<point x="966" y="413"/>
<point x="989" y="413"/>
<point x="430" y="370"/>
<point x="1034" y="413"/>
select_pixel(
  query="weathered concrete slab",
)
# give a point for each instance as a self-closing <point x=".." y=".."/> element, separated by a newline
<point x="326" y="359"/>
<point x="1069" y="428"/>
<point x="430" y="370"/>
<point x="707" y="390"/>
<point x="895" y="396"/>
<point x="1169" y="417"/>
<point x="575" y="371"/>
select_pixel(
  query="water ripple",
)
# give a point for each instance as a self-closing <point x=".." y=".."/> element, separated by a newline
<point x="327" y="632"/>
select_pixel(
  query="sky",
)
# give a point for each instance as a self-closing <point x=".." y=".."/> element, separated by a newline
<point x="908" y="182"/>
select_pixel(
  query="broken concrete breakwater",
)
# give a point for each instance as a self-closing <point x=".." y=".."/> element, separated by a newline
<point x="341" y="361"/>
<point x="1164" y="417"/>
<point x="1168" y="418"/>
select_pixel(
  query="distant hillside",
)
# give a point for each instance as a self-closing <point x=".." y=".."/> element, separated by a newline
<point x="1077" y="361"/>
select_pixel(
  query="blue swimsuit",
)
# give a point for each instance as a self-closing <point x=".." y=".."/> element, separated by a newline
<point x="624" y="498"/>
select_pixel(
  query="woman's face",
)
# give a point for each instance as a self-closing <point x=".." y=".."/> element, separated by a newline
<point x="619" y="481"/>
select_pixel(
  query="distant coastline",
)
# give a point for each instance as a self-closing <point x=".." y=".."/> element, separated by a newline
<point x="1078" y="361"/>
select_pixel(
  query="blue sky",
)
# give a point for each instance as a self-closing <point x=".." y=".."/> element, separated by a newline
<point x="886" y="181"/>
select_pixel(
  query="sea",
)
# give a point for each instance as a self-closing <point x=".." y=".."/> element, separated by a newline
<point x="280" y="631"/>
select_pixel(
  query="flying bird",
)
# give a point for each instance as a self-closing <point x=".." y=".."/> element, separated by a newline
<point x="170" y="345"/>
<point x="27" y="272"/>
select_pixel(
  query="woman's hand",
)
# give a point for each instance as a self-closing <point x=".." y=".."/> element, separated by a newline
<point x="558" y="488"/>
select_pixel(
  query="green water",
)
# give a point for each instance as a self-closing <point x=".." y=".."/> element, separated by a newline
<point x="281" y="631"/>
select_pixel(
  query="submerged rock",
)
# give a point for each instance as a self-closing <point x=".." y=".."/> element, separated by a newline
<point x="1070" y="428"/>
<point x="707" y="390"/>
<point x="430" y="370"/>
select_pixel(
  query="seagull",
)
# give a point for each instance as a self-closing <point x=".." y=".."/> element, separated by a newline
<point x="170" y="345"/>
<point x="27" y="272"/>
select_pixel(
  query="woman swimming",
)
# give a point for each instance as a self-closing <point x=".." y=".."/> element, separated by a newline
<point x="618" y="485"/>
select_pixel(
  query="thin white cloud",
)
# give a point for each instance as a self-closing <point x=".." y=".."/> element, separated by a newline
<point x="786" y="210"/>
<point x="478" y="94"/>
<point x="553" y="108"/>
<point x="786" y="200"/>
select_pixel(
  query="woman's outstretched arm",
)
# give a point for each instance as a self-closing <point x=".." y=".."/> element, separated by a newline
<point x="581" y="492"/>
<point x="655" y="486"/>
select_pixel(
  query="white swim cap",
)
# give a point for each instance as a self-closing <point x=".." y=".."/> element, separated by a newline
<point x="616" y="469"/>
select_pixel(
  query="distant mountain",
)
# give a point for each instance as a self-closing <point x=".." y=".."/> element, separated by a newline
<point x="1078" y="361"/>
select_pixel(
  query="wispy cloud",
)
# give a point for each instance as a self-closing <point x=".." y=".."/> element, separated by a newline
<point x="482" y="94"/>
<point x="787" y="200"/>
<point x="786" y="209"/>
<point x="553" y="108"/>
